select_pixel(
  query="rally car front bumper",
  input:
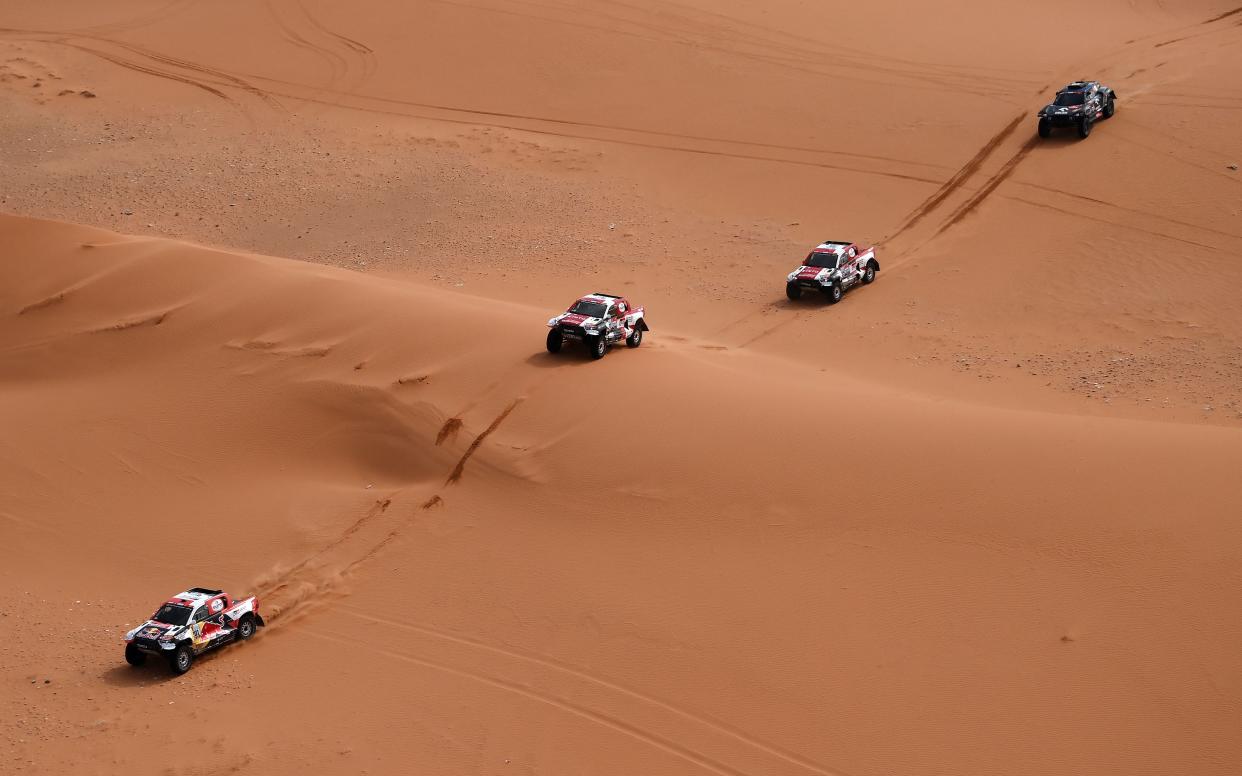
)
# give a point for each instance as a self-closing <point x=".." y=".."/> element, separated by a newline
<point x="153" y="646"/>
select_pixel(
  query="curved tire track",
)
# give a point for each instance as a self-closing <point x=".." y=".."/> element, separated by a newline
<point x="651" y="738"/>
<point x="211" y="80"/>
<point x="710" y="723"/>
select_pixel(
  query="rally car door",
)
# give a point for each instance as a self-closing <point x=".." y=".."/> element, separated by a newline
<point x="848" y="264"/>
<point x="212" y="627"/>
<point x="197" y="622"/>
<point x="622" y="311"/>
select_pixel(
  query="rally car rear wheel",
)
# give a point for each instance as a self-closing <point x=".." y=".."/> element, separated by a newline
<point x="245" y="628"/>
<point x="181" y="660"/>
<point x="555" y="340"/>
<point x="869" y="275"/>
<point x="1109" y="108"/>
<point x="635" y="339"/>
<point x="134" y="656"/>
<point x="1084" y="127"/>
<point x="597" y="346"/>
<point x="1045" y="128"/>
<point x="793" y="290"/>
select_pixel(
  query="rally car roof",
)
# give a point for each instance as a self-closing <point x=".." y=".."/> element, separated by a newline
<point x="193" y="596"/>
<point x="833" y="246"/>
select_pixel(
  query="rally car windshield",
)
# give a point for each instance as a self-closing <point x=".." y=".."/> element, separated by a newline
<point x="1070" y="98"/>
<point x="171" y="614"/>
<point x="822" y="260"/>
<point x="589" y="309"/>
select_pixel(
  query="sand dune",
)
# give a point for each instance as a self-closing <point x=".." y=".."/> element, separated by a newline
<point x="978" y="518"/>
<point x="842" y="578"/>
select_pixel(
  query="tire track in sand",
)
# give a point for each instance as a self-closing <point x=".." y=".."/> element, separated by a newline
<point x="964" y="173"/>
<point x="460" y="468"/>
<point x="971" y="168"/>
<point x="969" y="206"/>
<point x="217" y="81"/>
<point x="320" y="574"/>
<point x="364" y="53"/>
<point x="278" y="10"/>
<point x="152" y="71"/>
<point x="349" y="61"/>
<point x="709" y="723"/>
<point x="654" y="739"/>
<point x="168" y="10"/>
<point x="211" y="80"/>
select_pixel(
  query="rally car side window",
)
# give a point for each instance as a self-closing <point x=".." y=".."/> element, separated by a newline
<point x="200" y="614"/>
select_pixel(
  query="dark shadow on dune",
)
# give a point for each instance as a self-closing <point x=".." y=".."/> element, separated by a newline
<point x="154" y="671"/>
<point x="571" y="356"/>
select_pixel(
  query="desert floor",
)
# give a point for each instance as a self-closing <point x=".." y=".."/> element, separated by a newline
<point x="273" y="284"/>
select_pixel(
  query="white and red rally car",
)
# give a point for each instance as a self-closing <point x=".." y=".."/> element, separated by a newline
<point x="832" y="268"/>
<point x="598" y="321"/>
<point x="189" y="624"/>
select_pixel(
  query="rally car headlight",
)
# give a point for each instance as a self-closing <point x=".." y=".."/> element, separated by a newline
<point x="592" y="332"/>
<point x="551" y="321"/>
<point x="791" y="277"/>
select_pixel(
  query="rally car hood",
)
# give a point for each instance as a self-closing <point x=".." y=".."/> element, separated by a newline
<point x="576" y="319"/>
<point x="154" y="630"/>
<point x="811" y="273"/>
<point x="1052" y="109"/>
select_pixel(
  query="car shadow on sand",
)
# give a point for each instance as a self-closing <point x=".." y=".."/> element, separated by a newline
<point x="1062" y="137"/>
<point x="154" y="671"/>
<point x="812" y="301"/>
<point x="569" y="357"/>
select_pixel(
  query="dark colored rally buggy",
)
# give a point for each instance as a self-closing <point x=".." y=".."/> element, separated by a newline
<point x="1079" y="105"/>
<point x="189" y="624"/>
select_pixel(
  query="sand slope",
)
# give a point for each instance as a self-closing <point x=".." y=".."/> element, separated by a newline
<point x="382" y="138"/>
<point x="843" y="578"/>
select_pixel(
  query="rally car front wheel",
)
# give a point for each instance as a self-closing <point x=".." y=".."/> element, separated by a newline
<point x="1045" y="128"/>
<point x="1084" y="127"/>
<point x="597" y="346"/>
<point x="181" y="660"/>
<point x="793" y="290"/>
<point x="134" y="656"/>
<point x="555" y="340"/>
<point x="833" y="293"/>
